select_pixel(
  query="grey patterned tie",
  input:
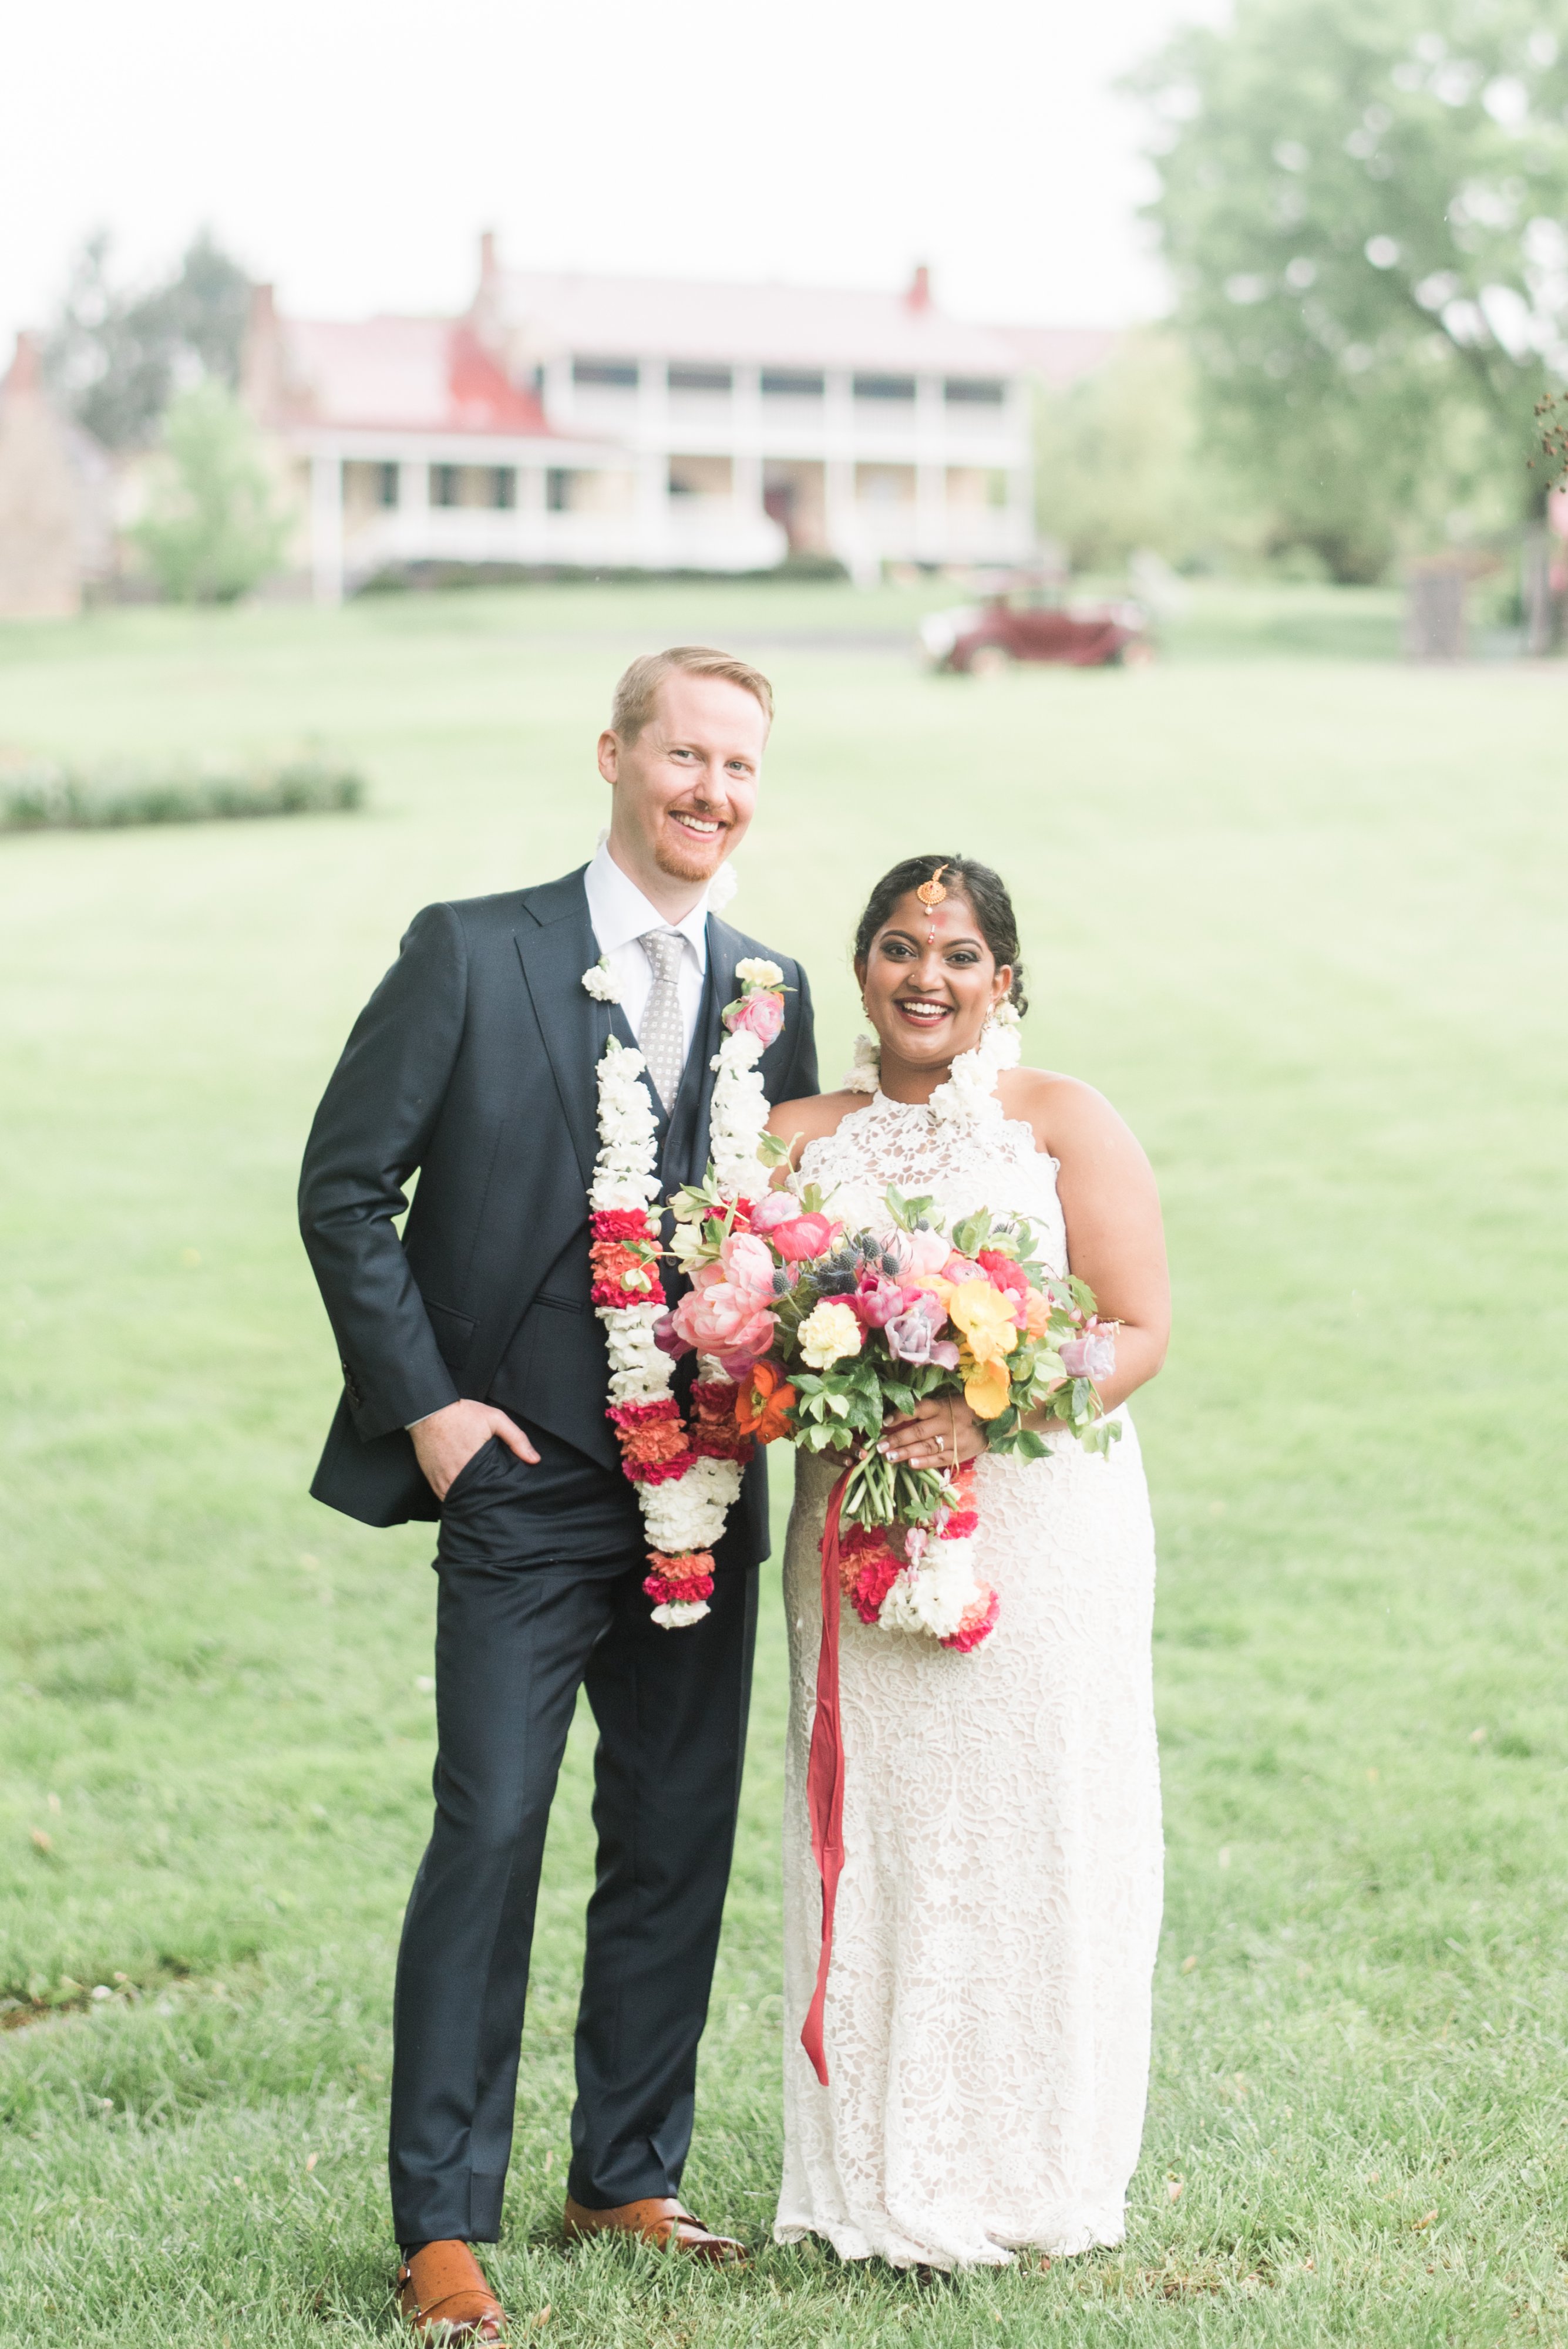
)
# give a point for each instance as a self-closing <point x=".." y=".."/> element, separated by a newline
<point x="661" y="1040"/>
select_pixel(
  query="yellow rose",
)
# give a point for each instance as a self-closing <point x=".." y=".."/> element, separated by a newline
<point x="985" y="1317"/>
<point x="987" y="1389"/>
<point x="828" y="1333"/>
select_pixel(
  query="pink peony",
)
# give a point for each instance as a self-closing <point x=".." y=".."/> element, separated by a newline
<point x="806" y="1236"/>
<point x="879" y="1301"/>
<point x="726" y="1322"/>
<point x="747" y="1264"/>
<point x="928" y="1252"/>
<point x="761" y="1015"/>
<point x="958" y="1267"/>
<point x="778" y="1207"/>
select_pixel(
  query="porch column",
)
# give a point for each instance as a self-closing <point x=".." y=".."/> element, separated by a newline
<point x="931" y="472"/>
<point x="413" y="508"/>
<point x="326" y="529"/>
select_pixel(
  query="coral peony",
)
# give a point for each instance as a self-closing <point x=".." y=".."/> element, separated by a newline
<point x="806" y="1236"/>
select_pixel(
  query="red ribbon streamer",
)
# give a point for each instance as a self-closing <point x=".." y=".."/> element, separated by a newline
<point x="825" y="1776"/>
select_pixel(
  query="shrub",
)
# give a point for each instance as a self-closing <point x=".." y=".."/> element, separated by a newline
<point x="211" y="532"/>
<point x="45" y="798"/>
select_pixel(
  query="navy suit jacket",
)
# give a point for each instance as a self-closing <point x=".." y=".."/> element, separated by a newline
<point x="475" y="1062"/>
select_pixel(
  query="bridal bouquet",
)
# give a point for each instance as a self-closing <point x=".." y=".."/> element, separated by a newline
<point x="827" y="1333"/>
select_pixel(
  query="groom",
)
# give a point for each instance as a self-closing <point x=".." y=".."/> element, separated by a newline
<point x="475" y="1383"/>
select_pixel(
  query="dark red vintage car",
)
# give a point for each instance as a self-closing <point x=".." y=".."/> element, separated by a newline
<point x="973" y="639"/>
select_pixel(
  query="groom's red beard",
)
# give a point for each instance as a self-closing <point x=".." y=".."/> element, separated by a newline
<point x="686" y="859"/>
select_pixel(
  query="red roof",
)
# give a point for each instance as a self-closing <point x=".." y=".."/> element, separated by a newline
<point x="422" y="375"/>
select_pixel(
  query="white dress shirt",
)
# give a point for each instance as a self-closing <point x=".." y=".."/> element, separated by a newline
<point x="620" y="915"/>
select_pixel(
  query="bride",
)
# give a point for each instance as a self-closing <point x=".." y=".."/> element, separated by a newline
<point x="987" y="2020"/>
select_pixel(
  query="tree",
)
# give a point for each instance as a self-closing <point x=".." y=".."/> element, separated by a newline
<point x="115" y="358"/>
<point x="209" y="532"/>
<point x="1363" y="207"/>
<point x="1118" y="465"/>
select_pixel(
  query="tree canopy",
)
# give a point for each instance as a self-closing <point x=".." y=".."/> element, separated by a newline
<point x="1363" y="210"/>
<point x="116" y="358"/>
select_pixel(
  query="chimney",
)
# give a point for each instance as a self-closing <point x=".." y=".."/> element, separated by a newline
<point x="262" y="374"/>
<point x="918" y="296"/>
<point x="25" y="373"/>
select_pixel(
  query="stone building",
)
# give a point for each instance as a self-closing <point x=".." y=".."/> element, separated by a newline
<point x="53" y="498"/>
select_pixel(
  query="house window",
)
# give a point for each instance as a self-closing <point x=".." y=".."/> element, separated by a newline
<point x="386" y="485"/>
<point x="701" y="378"/>
<point x="557" y="490"/>
<point x="884" y="386"/>
<point x="884" y="485"/>
<point x="502" y="485"/>
<point x="700" y="477"/>
<point x="446" y="485"/>
<point x="791" y="383"/>
<point x="606" y="375"/>
<point x="974" y="391"/>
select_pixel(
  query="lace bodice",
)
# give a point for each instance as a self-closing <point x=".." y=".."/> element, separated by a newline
<point x="984" y="1161"/>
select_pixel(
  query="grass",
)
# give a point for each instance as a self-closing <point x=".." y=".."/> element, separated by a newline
<point x="1302" y="919"/>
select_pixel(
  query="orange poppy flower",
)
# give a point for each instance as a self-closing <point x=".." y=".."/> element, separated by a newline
<point x="762" y="1400"/>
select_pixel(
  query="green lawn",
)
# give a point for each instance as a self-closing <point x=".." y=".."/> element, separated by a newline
<point x="1302" y="918"/>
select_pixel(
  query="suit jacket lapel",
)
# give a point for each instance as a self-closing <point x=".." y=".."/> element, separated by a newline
<point x="554" y="949"/>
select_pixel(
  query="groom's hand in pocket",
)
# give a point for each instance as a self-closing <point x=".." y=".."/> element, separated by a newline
<point x="447" y="1441"/>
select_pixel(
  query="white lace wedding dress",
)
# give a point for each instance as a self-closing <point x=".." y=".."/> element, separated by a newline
<point x="987" y="2026"/>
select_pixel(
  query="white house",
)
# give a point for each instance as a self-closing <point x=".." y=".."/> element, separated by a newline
<point x="649" y="424"/>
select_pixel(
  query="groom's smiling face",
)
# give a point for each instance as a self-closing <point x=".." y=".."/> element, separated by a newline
<point x="686" y="785"/>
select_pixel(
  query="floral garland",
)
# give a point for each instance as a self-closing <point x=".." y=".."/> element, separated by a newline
<point x="688" y="1477"/>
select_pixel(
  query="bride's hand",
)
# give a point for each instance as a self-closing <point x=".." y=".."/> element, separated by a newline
<point x="940" y="1433"/>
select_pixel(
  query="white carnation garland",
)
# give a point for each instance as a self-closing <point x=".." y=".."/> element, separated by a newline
<point x="685" y="1495"/>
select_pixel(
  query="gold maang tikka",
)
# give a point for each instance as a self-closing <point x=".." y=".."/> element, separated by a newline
<point x="931" y="892"/>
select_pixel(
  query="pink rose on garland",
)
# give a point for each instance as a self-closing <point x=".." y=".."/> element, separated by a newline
<point x="761" y="1014"/>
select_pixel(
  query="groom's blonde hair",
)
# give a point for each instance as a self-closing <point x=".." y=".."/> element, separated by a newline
<point x="634" y="696"/>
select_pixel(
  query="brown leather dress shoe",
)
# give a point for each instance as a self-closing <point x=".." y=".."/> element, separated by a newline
<point x="659" y="2219"/>
<point x="443" y="2294"/>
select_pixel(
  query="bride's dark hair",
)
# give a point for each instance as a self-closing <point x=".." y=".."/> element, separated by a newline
<point x="985" y="891"/>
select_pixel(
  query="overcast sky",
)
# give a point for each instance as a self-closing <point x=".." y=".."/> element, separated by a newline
<point x="351" y="150"/>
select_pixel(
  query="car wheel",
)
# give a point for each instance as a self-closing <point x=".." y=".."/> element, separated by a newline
<point x="989" y="660"/>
